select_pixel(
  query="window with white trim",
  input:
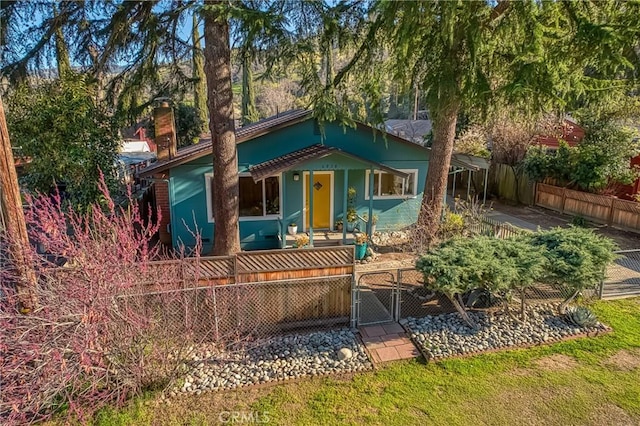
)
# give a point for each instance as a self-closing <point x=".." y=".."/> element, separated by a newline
<point x="257" y="199"/>
<point x="388" y="185"/>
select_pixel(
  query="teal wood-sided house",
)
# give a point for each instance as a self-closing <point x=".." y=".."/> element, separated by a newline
<point x="290" y="172"/>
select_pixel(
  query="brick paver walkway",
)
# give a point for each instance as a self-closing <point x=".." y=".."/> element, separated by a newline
<point x="388" y="342"/>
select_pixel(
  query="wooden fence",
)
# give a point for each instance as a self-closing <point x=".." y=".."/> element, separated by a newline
<point x="269" y="291"/>
<point x="503" y="182"/>
<point x="597" y="208"/>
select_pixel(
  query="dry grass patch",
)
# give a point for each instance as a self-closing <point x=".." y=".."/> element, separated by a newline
<point x="556" y="362"/>
<point x="529" y="406"/>
<point x="611" y="414"/>
<point x="624" y="360"/>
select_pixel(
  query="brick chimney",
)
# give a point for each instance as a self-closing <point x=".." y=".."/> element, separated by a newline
<point x="161" y="194"/>
<point x="165" y="131"/>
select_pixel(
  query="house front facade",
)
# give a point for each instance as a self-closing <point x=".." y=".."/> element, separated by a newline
<point x="291" y="171"/>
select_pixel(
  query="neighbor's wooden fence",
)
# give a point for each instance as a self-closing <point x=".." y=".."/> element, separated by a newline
<point x="598" y="208"/>
<point x="503" y="183"/>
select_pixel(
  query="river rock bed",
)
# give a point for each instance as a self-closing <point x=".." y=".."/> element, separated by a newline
<point x="447" y="335"/>
<point x="277" y="359"/>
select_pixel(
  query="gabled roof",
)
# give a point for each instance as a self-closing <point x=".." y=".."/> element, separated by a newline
<point x="251" y="131"/>
<point x="203" y="147"/>
<point x="301" y="156"/>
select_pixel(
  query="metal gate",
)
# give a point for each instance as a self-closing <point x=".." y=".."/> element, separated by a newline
<point x="377" y="298"/>
<point x="391" y="295"/>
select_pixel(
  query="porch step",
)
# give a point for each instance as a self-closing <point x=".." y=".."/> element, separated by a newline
<point x="326" y="243"/>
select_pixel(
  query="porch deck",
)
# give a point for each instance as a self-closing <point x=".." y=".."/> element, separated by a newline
<point x="322" y="238"/>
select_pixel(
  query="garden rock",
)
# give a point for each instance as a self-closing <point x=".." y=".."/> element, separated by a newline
<point x="447" y="335"/>
<point x="276" y="359"/>
<point x="344" y="353"/>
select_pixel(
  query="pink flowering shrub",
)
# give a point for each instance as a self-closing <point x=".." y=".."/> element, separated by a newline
<point x="97" y="336"/>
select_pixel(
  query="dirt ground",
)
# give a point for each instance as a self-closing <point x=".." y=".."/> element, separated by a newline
<point x="556" y="362"/>
<point x="549" y="219"/>
<point x="399" y="256"/>
<point x="624" y="360"/>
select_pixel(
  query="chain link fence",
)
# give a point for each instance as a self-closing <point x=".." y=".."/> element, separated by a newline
<point x="376" y="297"/>
<point x="400" y="293"/>
<point x="231" y="313"/>
<point x="623" y="276"/>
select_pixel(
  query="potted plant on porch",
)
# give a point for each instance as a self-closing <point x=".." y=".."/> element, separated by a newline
<point x="352" y="219"/>
<point x="302" y="241"/>
<point x="339" y="225"/>
<point x="292" y="229"/>
<point x="352" y="215"/>
<point x="360" y="241"/>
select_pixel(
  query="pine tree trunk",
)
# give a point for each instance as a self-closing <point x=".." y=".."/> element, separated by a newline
<point x="249" y="112"/>
<point x="199" y="86"/>
<point x="444" y="132"/>
<point x="217" y="57"/>
<point x="62" y="53"/>
<point x="13" y="217"/>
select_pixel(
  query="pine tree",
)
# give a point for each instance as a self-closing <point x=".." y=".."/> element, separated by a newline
<point x="62" y="53"/>
<point x="217" y="65"/>
<point x="467" y="55"/>
<point x="249" y="110"/>
<point x="199" y="79"/>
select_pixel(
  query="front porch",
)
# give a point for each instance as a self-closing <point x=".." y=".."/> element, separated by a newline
<point x="322" y="238"/>
<point x="322" y="187"/>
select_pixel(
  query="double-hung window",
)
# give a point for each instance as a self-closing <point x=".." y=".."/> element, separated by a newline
<point x="389" y="186"/>
<point x="258" y="200"/>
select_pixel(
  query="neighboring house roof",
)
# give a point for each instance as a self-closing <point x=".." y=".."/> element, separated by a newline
<point x="133" y="158"/>
<point x="301" y="156"/>
<point x="572" y="133"/>
<point x="413" y="130"/>
<point x="134" y="146"/>
<point x="246" y="133"/>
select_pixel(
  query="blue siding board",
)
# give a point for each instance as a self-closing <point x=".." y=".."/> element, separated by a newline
<point x="188" y="182"/>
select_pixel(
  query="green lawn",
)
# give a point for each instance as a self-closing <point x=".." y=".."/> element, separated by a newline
<point x="586" y="381"/>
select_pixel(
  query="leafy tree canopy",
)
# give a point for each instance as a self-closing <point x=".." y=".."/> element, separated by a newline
<point x="67" y="138"/>
<point x="598" y="163"/>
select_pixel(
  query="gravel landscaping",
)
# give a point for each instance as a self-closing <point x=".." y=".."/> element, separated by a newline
<point x="447" y="335"/>
<point x="282" y="358"/>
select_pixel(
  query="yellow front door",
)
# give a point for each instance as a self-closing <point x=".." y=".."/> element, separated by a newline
<point x="321" y="200"/>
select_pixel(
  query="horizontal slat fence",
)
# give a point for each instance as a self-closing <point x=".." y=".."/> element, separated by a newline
<point x="605" y="209"/>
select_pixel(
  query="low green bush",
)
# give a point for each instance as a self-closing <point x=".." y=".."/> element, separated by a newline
<point x="572" y="258"/>
<point x="577" y="258"/>
<point x="464" y="264"/>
